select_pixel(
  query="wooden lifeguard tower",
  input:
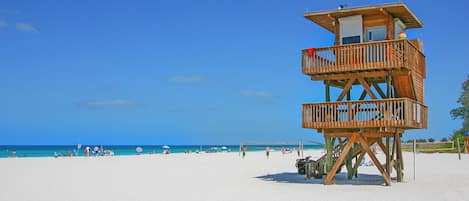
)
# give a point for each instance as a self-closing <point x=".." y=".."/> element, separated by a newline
<point x="371" y="55"/>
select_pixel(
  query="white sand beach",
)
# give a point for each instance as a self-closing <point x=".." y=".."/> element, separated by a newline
<point x="220" y="177"/>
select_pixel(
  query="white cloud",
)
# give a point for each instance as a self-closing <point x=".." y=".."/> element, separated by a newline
<point x="190" y="78"/>
<point x="108" y="103"/>
<point x="3" y="24"/>
<point x="25" y="27"/>
<point x="254" y="93"/>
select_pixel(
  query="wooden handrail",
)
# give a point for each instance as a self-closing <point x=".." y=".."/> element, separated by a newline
<point x="396" y="113"/>
<point x="388" y="54"/>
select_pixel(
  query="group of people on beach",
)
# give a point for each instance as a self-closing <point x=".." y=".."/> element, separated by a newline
<point x="87" y="151"/>
<point x="284" y="150"/>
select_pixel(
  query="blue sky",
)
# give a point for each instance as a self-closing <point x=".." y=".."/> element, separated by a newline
<point x="188" y="72"/>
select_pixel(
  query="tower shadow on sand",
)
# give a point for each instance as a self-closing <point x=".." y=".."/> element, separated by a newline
<point x="341" y="179"/>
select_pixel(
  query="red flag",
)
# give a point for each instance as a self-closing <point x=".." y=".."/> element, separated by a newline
<point x="311" y="52"/>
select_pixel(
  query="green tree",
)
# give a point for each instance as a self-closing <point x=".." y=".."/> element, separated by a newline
<point x="462" y="112"/>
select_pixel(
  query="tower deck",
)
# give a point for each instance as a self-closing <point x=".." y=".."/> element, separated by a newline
<point x="403" y="113"/>
<point x="370" y="56"/>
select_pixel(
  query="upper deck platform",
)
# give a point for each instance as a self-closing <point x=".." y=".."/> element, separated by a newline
<point x="369" y="56"/>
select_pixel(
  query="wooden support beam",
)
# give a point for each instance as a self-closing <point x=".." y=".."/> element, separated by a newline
<point x="337" y="84"/>
<point x="388" y="131"/>
<point x="341" y="143"/>
<point x="348" y="164"/>
<point x="398" y="157"/>
<point x="400" y="150"/>
<point x="346" y="89"/>
<point x="366" y="86"/>
<point x="340" y="160"/>
<point x="344" y="76"/>
<point x="365" y="146"/>
<point x="363" y="95"/>
<point x="381" y="145"/>
<point x="393" y="153"/>
<point x="373" y="135"/>
<point x="388" y="86"/>
<point x="357" y="162"/>
<point x="349" y="95"/>
<point x="328" y="90"/>
<point x="330" y="17"/>
<point x="378" y="89"/>
<point x="329" y="147"/>
<point x="337" y="32"/>
<point x="382" y="10"/>
<point x="388" y="159"/>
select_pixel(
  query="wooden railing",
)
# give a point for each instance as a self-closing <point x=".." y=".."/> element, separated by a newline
<point x="388" y="54"/>
<point x="392" y="113"/>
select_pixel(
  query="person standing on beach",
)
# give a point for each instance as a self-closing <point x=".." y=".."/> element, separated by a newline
<point x="244" y="149"/>
<point x="87" y="151"/>
<point x="267" y="151"/>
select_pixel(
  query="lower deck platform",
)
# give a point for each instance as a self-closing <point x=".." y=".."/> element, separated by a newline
<point x="385" y="113"/>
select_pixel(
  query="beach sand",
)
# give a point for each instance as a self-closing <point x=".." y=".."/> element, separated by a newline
<point x="220" y="177"/>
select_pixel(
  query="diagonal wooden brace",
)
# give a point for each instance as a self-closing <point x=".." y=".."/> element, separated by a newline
<point x="366" y="147"/>
<point x="341" y="158"/>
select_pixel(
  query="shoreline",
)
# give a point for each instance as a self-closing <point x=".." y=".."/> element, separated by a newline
<point x="119" y="150"/>
<point x="158" y="154"/>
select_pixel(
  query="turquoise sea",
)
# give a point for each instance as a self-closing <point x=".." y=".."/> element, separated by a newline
<point x="6" y="151"/>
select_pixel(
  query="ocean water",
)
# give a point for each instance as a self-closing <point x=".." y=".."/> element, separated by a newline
<point x="120" y="150"/>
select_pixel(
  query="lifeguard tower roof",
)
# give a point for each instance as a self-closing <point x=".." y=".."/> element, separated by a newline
<point x="397" y="10"/>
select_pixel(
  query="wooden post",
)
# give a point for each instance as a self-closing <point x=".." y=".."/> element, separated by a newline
<point x="393" y="154"/>
<point x="348" y="160"/>
<point x="329" y="148"/>
<point x="388" y="86"/>
<point x="328" y="140"/>
<point x="388" y="159"/>
<point x="397" y="138"/>
<point x="328" y="91"/>
<point x="348" y="94"/>
<point x="459" y="148"/>
<point x="348" y="163"/>
<point x="357" y="163"/>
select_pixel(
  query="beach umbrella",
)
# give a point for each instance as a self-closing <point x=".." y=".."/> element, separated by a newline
<point x="139" y="149"/>
<point x="165" y="147"/>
